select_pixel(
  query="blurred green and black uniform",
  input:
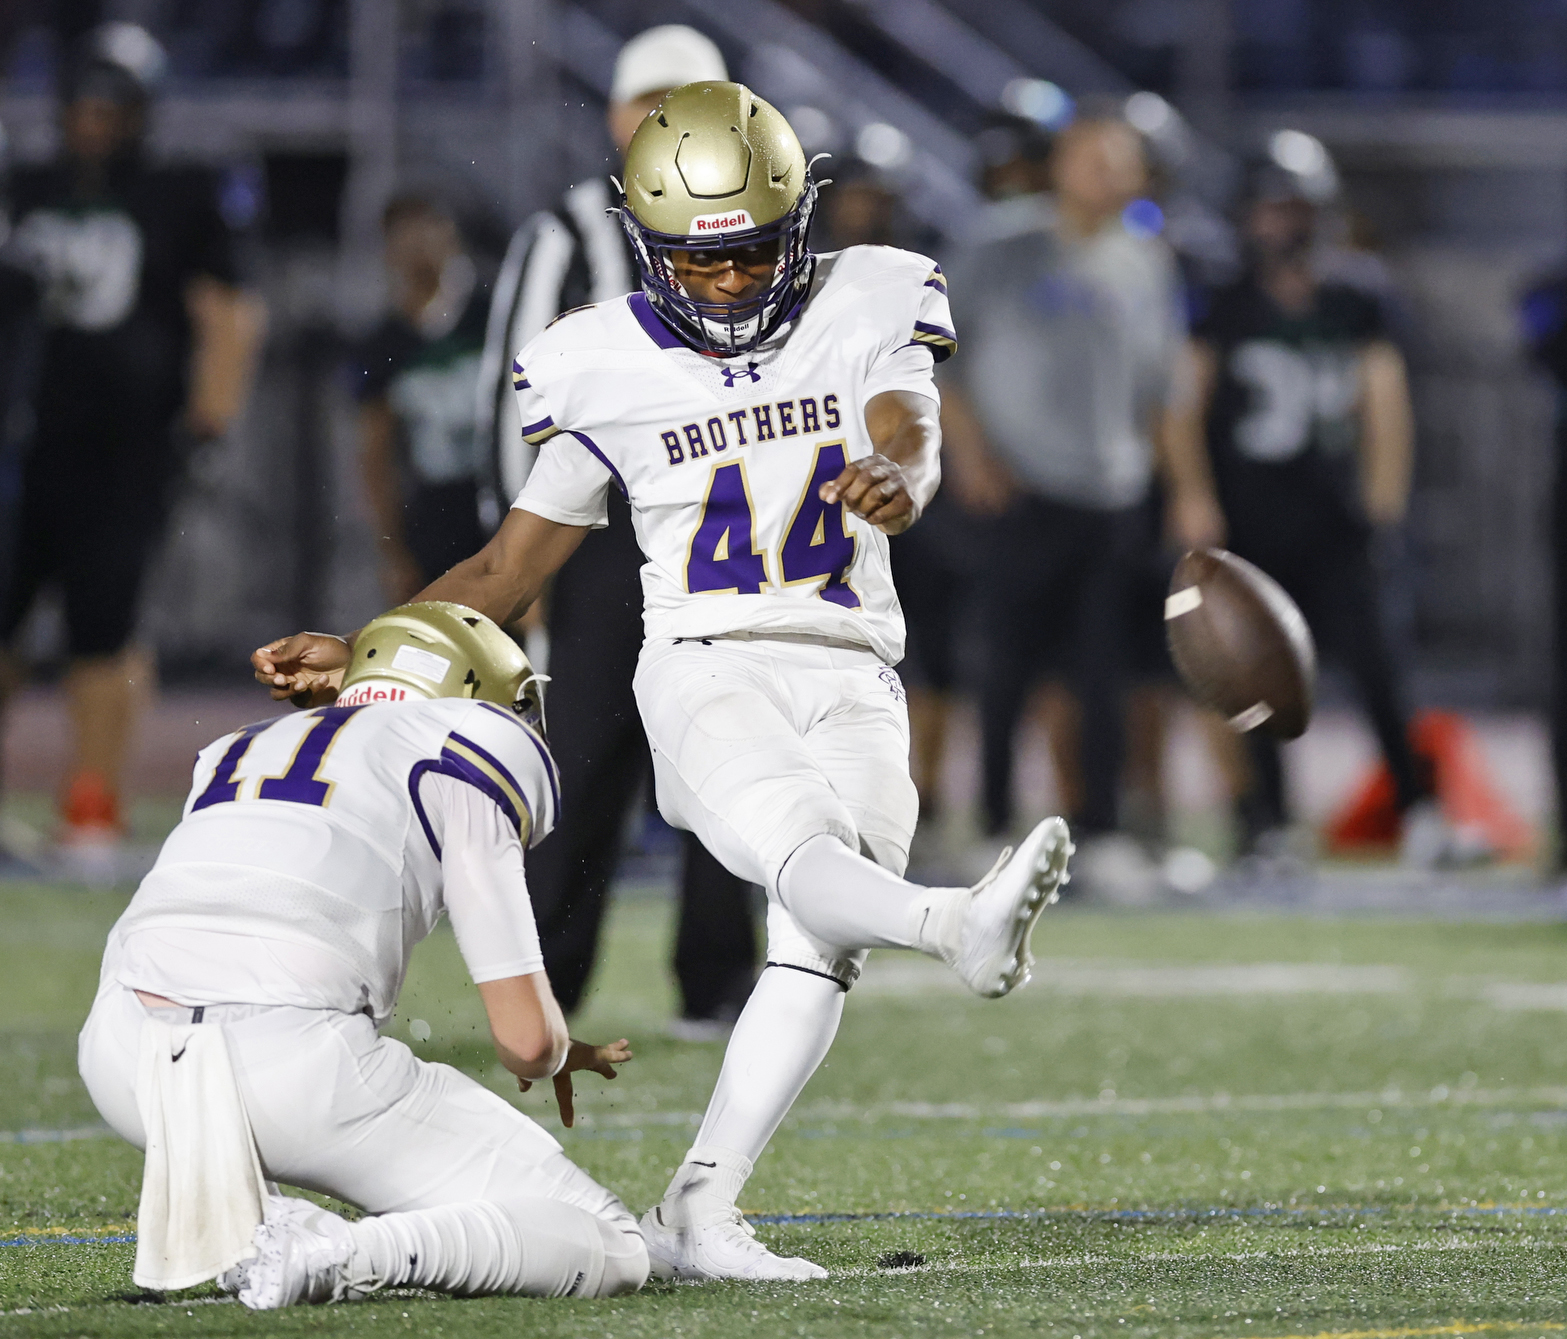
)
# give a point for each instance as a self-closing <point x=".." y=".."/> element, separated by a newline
<point x="1284" y="438"/>
<point x="430" y="381"/>
<point x="113" y="252"/>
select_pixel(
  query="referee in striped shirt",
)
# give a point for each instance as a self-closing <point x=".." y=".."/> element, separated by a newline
<point x="561" y="259"/>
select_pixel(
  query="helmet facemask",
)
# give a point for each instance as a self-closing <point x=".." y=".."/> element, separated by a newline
<point x="728" y="329"/>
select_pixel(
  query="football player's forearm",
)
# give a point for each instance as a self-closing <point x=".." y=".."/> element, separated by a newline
<point x="510" y="572"/>
<point x="1388" y="433"/>
<point x="1180" y="450"/>
<point x="906" y="428"/>
<point x="228" y="326"/>
<point x="526" y="1024"/>
<point x="378" y="469"/>
<point x="495" y="593"/>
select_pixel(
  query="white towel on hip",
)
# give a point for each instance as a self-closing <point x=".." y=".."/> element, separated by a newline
<point x="202" y="1195"/>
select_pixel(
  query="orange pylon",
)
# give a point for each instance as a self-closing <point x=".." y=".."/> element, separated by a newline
<point x="1368" y="822"/>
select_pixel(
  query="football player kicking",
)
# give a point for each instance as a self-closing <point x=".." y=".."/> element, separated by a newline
<point x="235" y="1032"/>
<point x="771" y="415"/>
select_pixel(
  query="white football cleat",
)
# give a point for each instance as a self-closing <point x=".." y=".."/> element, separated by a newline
<point x="727" y="1249"/>
<point x="992" y="954"/>
<point x="303" y="1256"/>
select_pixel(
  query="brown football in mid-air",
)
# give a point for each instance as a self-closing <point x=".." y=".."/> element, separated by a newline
<point x="1241" y="644"/>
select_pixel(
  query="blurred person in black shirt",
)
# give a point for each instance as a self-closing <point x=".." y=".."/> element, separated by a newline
<point x="1311" y="436"/>
<point x="147" y="343"/>
<point x="417" y="383"/>
<point x="1544" y="313"/>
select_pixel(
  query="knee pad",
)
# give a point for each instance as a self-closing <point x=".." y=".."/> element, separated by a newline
<point x="789" y="946"/>
<point x="626" y="1264"/>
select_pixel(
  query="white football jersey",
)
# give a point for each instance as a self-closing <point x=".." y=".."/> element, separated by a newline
<point x="722" y="458"/>
<point x="315" y="830"/>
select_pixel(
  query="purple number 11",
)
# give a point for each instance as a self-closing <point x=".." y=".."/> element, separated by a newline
<point x="300" y="784"/>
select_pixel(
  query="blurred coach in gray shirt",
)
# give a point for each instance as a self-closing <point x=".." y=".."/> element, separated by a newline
<point x="1070" y="393"/>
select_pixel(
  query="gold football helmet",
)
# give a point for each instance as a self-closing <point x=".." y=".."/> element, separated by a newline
<point x="715" y="168"/>
<point x="436" y="649"/>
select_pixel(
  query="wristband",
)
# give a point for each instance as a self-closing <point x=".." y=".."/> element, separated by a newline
<point x="564" y="1056"/>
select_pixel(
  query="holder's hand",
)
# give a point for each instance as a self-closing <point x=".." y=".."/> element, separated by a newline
<point x="307" y="668"/>
<point x="579" y="1056"/>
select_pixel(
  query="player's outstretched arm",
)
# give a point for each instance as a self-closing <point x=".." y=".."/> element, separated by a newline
<point x="891" y="487"/>
<point x="508" y="574"/>
<point x="501" y="580"/>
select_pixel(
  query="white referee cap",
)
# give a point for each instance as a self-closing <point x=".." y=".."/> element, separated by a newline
<point x="663" y="58"/>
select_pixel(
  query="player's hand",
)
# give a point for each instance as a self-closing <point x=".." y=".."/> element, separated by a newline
<point x="878" y="490"/>
<point x="307" y="668"/>
<point x="1194" y="520"/>
<point x="581" y="1055"/>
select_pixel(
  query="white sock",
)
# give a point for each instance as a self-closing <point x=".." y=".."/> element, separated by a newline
<point x="841" y="898"/>
<point x="782" y="1035"/>
<point x="533" y="1245"/>
<point x="706" y="1185"/>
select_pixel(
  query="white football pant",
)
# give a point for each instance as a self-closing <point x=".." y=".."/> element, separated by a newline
<point x="762" y="748"/>
<point x="338" y="1109"/>
<point x="760" y="745"/>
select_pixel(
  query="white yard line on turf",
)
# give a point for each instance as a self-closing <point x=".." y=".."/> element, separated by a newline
<point x="1195" y="1104"/>
<point x="54" y="1136"/>
<point x="1107" y="1104"/>
<point x="1072" y="976"/>
<point x="1108" y="978"/>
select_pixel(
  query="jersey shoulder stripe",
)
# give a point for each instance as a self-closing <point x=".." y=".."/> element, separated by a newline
<point x="551" y="775"/>
<point x="465" y="761"/>
<point x="941" y="342"/>
<point x="477" y="760"/>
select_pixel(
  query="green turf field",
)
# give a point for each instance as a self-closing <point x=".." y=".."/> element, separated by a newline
<point x="1186" y="1126"/>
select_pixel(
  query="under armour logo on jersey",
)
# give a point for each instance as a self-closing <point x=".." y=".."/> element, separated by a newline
<point x="732" y="373"/>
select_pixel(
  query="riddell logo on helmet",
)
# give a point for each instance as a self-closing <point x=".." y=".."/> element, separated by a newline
<point x="363" y="693"/>
<point x="740" y="218"/>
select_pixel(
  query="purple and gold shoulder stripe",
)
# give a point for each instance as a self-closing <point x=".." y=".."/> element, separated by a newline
<point x="941" y="342"/>
<point x="536" y="434"/>
<point x="475" y="765"/>
<point x="519" y="378"/>
<point x="937" y="280"/>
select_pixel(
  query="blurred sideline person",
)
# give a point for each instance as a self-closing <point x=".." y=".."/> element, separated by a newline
<point x="1544" y="318"/>
<point x="147" y="351"/>
<point x="1311" y="435"/>
<point x="558" y="261"/>
<point x="416" y="385"/>
<point x="790" y="400"/>
<point x="1073" y="391"/>
<point x="931" y="562"/>
<point x="266" y="950"/>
